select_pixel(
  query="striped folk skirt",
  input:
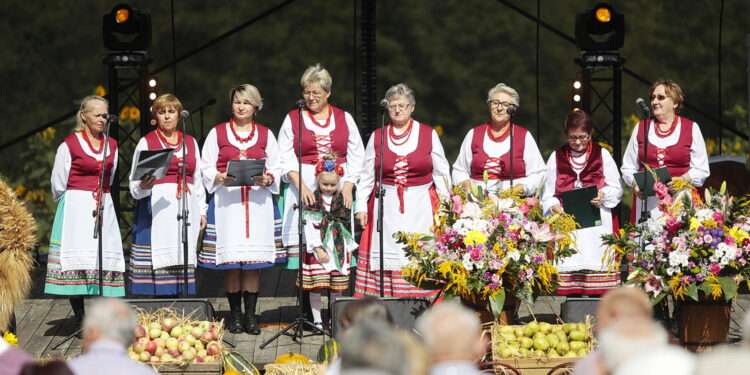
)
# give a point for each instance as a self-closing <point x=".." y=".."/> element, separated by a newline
<point x="315" y="278"/>
<point x="587" y="282"/>
<point x="143" y="278"/>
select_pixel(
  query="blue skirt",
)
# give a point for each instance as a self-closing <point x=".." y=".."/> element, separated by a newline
<point x="207" y="252"/>
<point x="143" y="279"/>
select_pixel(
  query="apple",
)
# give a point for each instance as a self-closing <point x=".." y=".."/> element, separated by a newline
<point x="165" y="335"/>
<point x="154" y="325"/>
<point x="173" y="352"/>
<point x="155" y="359"/>
<point x="196" y="332"/>
<point x="159" y="351"/>
<point x="202" y="353"/>
<point x="190" y="339"/>
<point x="188" y="355"/>
<point x="207" y="337"/>
<point x="198" y="359"/>
<point x="213" y="348"/>
<point x="205" y="325"/>
<point x="166" y="357"/>
<point x="176" y="332"/>
<point x="139" y="347"/>
<point x="199" y="345"/>
<point x="160" y="342"/>
<point x="140" y="331"/>
<point x="134" y="356"/>
<point x="214" y="333"/>
<point x="183" y="346"/>
<point x="172" y="343"/>
<point x="186" y="328"/>
<point x="154" y="333"/>
<point x="209" y="358"/>
<point x="151" y="347"/>
<point x="145" y="356"/>
<point x="168" y="323"/>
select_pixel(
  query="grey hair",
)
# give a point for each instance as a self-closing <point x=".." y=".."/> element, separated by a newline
<point x="317" y="75"/>
<point x="402" y="90"/>
<point x="501" y="87"/>
<point x="449" y="329"/>
<point x="113" y="318"/>
<point x="85" y="104"/>
<point x="247" y="92"/>
<point x="373" y="345"/>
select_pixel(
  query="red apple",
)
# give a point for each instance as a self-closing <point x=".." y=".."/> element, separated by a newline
<point x="168" y="323"/>
<point x="173" y="352"/>
<point x="151" y="347"/>
<point x="198" y="359"/>
<point x="207" y="337"/>
<point x="213" y="348"/>
<point x="140" y="331"/>
<point x="159" y="351"/>
<point x="196" y="332"/>
<point x="183" y="346"/>
<point x="139" y="347"/>
<point x="188" y="355"/>
<point x="214" y="333"/>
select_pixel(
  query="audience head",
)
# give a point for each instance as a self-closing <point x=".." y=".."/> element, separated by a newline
<point x="364" y="309"/>
<point x="451" y="332"/>
<point x="372" y="346"/>
<point x="110" y="319"/>
<point x="56" y="367"/>
<point x="624" y="338"/>
<point x="621" y="303"/>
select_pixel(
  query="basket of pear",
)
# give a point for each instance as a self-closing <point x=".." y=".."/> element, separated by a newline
<point x="541" y="340"/>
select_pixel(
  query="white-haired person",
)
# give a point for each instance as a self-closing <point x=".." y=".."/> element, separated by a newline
<point x="453" y="336"/>
<point x="415" y="173"/>
<point x="487" y="148"/>
<point x="108" y="329"/>
<point x="73" y="266"/>
<point x="674" y="142"/>
<point x="156" y="258"/>
<point x="325" y="129"/>
<point x="240" y="238"/>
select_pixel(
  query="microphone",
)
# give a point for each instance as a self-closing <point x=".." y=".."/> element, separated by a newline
<point x="642" y="103"/>
<point x="511" y="110"/>
<point x="384" y="103"/>
<point x="110" y="117"/>
<point x="184" y="113"/>
<point x="300" y="103"/>
<point x="210" y="102"/>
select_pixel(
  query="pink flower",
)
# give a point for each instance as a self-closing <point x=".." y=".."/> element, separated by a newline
<point x="707" y="238"/>
<point x="495" y="278"/>
<point x="718" y="217"/>
<point x="475" y="254"/>
<point x="531" y="201"/>
<point x="494" y="265"/>
<point x="673" y="224"/>
<point x="524" y="209"/>
<point x="653" y="285"/>
<point x="661" y="190"/>
<point x="503" y="217"/>
<point x="458" y="205"/>
<point x="714" y="268"/>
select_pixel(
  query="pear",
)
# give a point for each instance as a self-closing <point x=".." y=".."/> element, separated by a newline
<point x="570" y="354"/>
<point x="569" y="327"/>
<point x="506" y="353"/>
<point x="582" y="352"/>
<point x="524" y="353"/>
<point x="525" y="342"/>
<point x="530" y="329"/>
<point x="538" y="335"/>
<point x="576" y="345"/>
<point x="552" y="339"/>
<point x="538" y="353"/>
<point x="541" y="344"/>
<point x="545" y="327"/>
<point x="552" y="353"/>
<point x="562" y="347"/>
<point x="576" y="335"/>
<point x="581" y="327"/>
<point x="508" y="336"/>
<point x="518" y="331"/>
<point x="506" y="330"/>
<point x="561" y="335"/>
<point x="557" y="327"/>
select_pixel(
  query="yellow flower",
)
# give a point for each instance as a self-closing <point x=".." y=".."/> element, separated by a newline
<point x="20" y="190"/>
<point x="439" y="130"/>
<point x="738" y="234"/>
<point x="710" y="145"/>
<point x="99" y="90"/>
<point x="694" y="224"/>
<point x="135" y="113"/>
<point x="124" y="113"/>
<point x="10" y="338"/>
<point x="607" y="146"/>
<point x="475" y="237"/>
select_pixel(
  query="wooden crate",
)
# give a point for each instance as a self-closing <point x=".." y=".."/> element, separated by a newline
<point x="540" y="366"/>
<point x="207" y="368"/>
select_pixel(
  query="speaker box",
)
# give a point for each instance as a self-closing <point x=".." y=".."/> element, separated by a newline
<point x="404" y="311"/>
<point x="574" y="310"/>
<point x="197" y="308"/>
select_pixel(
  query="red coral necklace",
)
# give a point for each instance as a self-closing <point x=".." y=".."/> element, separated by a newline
<point x="237" y="137"/>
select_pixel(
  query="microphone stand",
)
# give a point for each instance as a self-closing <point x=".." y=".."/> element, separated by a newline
<point x="300" y="322"/>
<point x="184" y="211"/>
<point x="380" y="194"/>
<point x="644" y="200"/>
<point x="98" y="214"/>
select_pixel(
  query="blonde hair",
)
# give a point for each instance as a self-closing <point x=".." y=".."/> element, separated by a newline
<point x="247" y="92"/>
<point x="672" y="89"/>
<point x="326" y="157"/>
<point x="85" y="107"/>
<point x="317" y="75"/>
<point x="164" y="101"/>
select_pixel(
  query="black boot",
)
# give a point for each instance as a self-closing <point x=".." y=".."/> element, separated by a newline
<point x="76" y="303"/>
<point x="235" y="312"/>
<point x="249" y="319"/>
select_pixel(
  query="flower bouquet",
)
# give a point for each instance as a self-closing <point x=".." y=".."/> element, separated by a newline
<point x="689" y="246"/>
<point x="485" y="245"/>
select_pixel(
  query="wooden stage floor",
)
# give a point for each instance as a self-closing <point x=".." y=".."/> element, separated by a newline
<point x="43" y="320"/>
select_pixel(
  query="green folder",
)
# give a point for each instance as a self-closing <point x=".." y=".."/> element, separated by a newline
<point x="645" y="179"/>
<point x="577" y="202"/>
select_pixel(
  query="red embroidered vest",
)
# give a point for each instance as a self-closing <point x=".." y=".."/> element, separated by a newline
<point x="173" y="173"/>
<point x="480" y="158"/>
<point x="84" y="169"/>
<point x="676" y="157"/>
<point x="228" y="151"/>
<point x="339" y="137"/>
<point x="419" y="161"/>
<point x="591" y="175"/>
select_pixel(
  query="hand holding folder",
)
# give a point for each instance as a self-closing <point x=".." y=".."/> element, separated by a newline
<point x="645" y="179"/>
<point x="152" y="163"/>
<point x="577" y="202"/>
<point x="244" y="170"/>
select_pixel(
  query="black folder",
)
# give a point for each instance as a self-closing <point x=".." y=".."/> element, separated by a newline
<point x="244" y="170"/>
<point x="152" y="163"/>
<point x="645" y="179"/>
<point x="577" y="202"/>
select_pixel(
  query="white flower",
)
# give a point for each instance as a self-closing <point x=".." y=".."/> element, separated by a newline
<point x="472" y="211"/>
<point x="467" y="262"/>
<point x="514" y="255"/>
<point x="678" y="259"/>
<point x="728" y="254"/>
<point x="704" y="214"/>
<point x="505" y="204"/>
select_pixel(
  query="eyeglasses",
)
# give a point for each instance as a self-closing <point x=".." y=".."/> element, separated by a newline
<point x="497" y="103"/>
<point x="581" y="138"/>
<point x="400" y="107"/>
<point x="313" y="94"/>
<point x="660" y="97"/>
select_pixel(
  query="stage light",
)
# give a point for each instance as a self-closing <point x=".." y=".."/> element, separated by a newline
<point x="152" y="87"/>
<point x="576" y="98"/>
<point x="576" y="84"/>
<point x="600" y="29"/>
<point x="576" y="92"/>
<point x="152" y="96"/>
<point x="126" y="29"/>
<point x="152" y="82"/>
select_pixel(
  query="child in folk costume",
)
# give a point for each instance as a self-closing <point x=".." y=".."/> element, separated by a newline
<point x="329" y="240"/>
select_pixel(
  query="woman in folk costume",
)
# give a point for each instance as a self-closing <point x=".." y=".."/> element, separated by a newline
<point x="156" y="259"/>
<point x="73" y="264"/>
<point x="325" y="129"/>
<point x="674" y="142"/>
<point x="582" y="163"/>
<point x="243" y="216"/>
<point x="328" y="236"/>
<point x="415" y="172"/>
<point x="486" y="148"/>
